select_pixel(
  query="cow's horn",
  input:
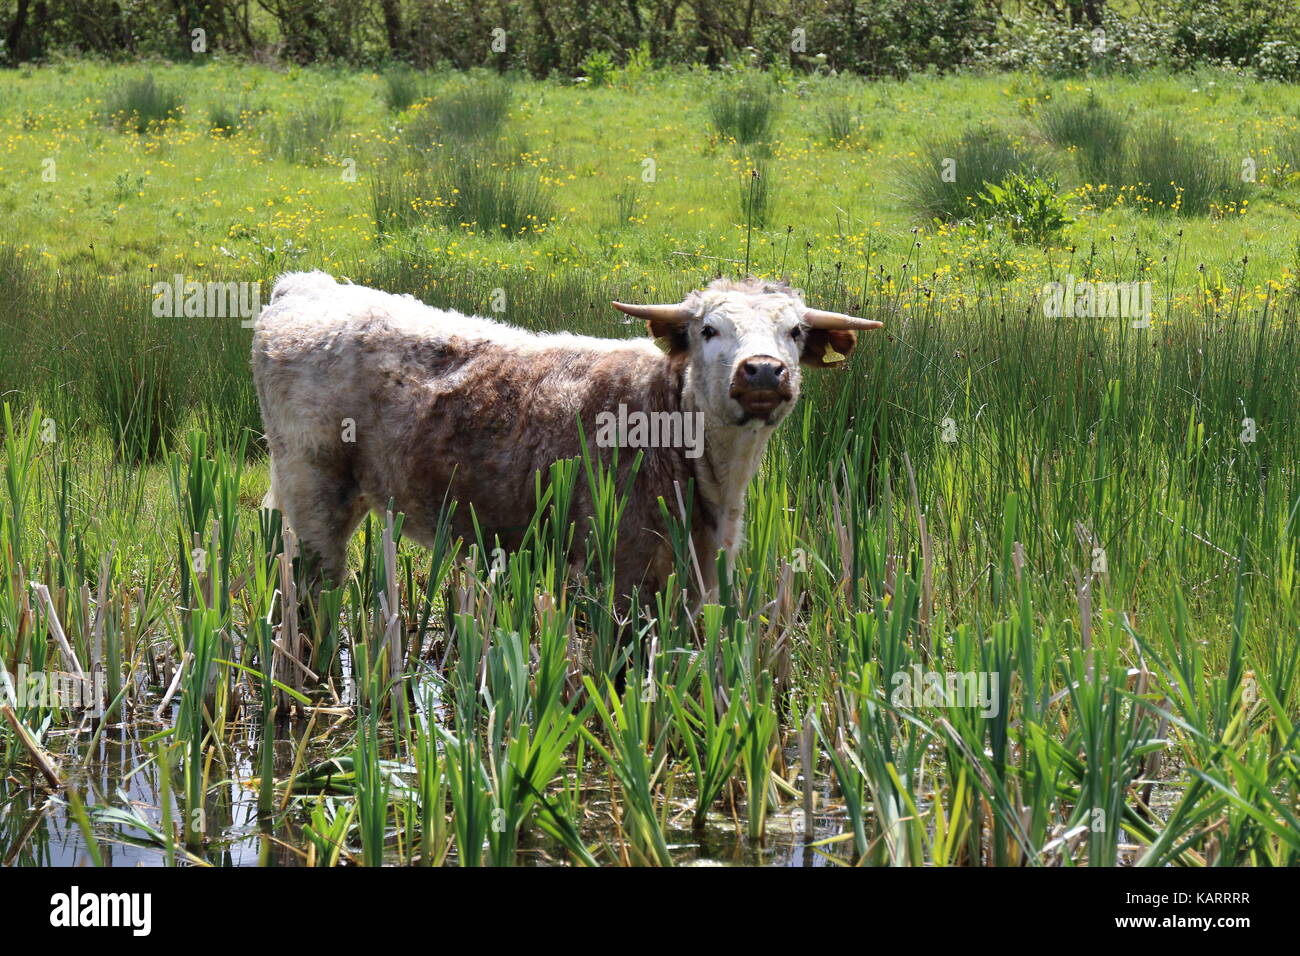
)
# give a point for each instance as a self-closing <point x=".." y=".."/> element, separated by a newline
<point x="672" y="314"/>
<point x="819" y="319"/>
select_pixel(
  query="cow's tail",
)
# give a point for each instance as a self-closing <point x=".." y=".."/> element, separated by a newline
<point x="271" y="500"/>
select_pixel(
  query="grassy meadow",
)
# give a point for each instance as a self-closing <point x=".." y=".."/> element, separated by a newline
<point x="1090" y="520"/>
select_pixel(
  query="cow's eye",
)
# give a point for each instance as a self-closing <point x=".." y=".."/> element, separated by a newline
<point x="708" y="332"/>
<point x="796" y="332"/>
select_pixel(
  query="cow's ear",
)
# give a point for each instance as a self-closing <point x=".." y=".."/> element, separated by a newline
<point x="827" y="348"/>
<point x="672" y="336"/>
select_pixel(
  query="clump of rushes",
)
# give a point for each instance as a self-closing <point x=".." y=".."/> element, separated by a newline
<point x="1098" y="134"/>
<point x="141" y="105"/>
<point x="475" y="189"/>
<point x="468" y="188"/>
<point x="840" y="123"/>
<point x="403" y="87"/>
<point x="472" y="114"/>
<point x="943" y="178"/>
<point x="1177" y="172"/>
<point x="227" y="117"/>
<point x="745" y="110"/>
<point x="306" y="135"/>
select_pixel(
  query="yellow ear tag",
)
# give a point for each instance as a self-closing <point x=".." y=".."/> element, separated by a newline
<point x="830" y="356"/>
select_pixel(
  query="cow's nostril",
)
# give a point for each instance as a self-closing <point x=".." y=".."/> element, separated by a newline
<point x="763" y="373"/>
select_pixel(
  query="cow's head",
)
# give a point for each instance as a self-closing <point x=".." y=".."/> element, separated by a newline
<point x="744" y="343"/>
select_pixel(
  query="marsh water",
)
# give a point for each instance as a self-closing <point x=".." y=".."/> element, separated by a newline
<point x="119" y="782"/>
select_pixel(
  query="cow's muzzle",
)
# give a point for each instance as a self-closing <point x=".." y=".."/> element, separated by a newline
<point x="760" y="385"/>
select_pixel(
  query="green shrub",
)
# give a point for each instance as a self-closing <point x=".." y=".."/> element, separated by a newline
<point x="599" y="68"/>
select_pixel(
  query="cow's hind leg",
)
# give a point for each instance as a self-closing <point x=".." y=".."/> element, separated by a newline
<point x="322" y="504"/>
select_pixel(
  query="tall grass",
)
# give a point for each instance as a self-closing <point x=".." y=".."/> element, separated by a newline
<point x="133" y="384"/>
<point x="1167" y="169"/>
<point x="227" y="117"/>
<point x="840" y="123"/>
<point x="1287" y="151"/>
<point x="757" y="195"/>
<point x="476" y="189"/>
<point x="473" y="113"/>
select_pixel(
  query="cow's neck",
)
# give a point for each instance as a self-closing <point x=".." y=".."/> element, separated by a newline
<point x="731" y="457"/>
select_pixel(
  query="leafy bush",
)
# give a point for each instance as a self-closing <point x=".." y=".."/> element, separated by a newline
<point x="1028" y="205"/>
<point x="598" y="68"/>
<point x="1220" y="31"/>
<point x="894" y="37"/>
<point x="1042" y="43"/>
<point x="1279" y="60"/>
